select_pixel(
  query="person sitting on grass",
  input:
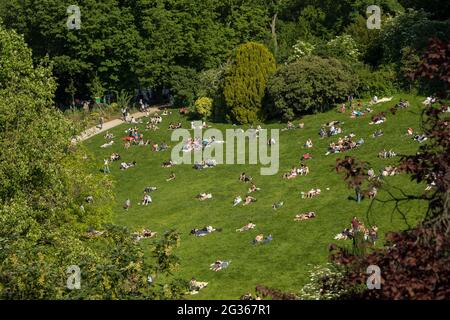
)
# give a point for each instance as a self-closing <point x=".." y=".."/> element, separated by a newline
<point x="127" y="204"/>
<point x="277" y="205"/>
<point x="203" y="196"/>
<point x="247" y="227"/>
<point x="219" y="265"/>
<point x="253" y="188"/>
<point x="308" y="144"/>
<point x="115" y="157"/>
<point x="305" y="216"/>
<point x="168" y="164"/>
<point x="245" y="178"/>
<point x="248" y="200"/>
<point x="146" y="200"/>
<point x="306" y="156"/>
<point x="172" y="176"/>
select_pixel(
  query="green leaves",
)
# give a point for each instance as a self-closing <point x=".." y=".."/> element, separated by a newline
<point x="245" y="82"/>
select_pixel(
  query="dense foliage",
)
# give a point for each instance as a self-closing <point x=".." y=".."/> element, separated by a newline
<point x="311" y="84"/>
<point x="44" y="214"/>
<point x="246" y="80"/>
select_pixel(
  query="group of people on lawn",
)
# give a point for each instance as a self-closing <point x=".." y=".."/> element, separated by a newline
<point x="330" y="129"/>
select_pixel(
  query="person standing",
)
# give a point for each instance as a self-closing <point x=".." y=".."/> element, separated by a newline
<point x="106" y="166"/>
<point x="358" y="193"/>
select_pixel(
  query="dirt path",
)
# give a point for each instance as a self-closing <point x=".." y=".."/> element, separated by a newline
<point x="89" y="133"/>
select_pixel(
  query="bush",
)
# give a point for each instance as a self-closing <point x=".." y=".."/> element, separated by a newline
<point x="245" y="82"/>
<point x="341" y="47"/>
<point x="309" y="85"/>
<point x="375" y="82"/>
<point x="203" y="106"/>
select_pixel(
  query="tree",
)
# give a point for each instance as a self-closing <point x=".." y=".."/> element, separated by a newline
<point x="44" y="214"/>
<point x="342" y="47"/>
<point x="204" y="106"/>
<point x="311" y="84"/>
<point x="245" y="82"/>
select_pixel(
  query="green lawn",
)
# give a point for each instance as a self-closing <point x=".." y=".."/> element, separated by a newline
<point x="285" y="262"/>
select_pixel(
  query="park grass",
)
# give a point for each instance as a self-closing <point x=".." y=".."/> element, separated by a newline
<point x="297" y="246"/>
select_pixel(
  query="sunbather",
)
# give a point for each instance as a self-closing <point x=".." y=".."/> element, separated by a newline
<point x="305" y="216"/>
<point x="248" y="200"/>
<point x="247" y="227"/>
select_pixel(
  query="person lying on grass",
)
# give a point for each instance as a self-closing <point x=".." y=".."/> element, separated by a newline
<point x="219" y="265"/>
<point x="150" y="189"/>
<point x="248" y="200"/>
<point x="305" y="216"/>
<point x="247" y="227"/>
<point x="106" y="145"/>
<point x="173" y="126"/>
<point x="145" y="233"/>
<point x="311" y="193"/>
<point x="377" y="133"/>
<point x="195" y="286"/>
<point x="204" y="231"/>
<point x="237" y="200"/>
<point x="127" y="165"/>
<point x="168" y="164"/>
<point x="109" y="136"/>
<point x="253" y="188"/>
<point x="291" y="174"/>
<point x="203" y="196"/>
<point x="378" y="118"/>
<point x="259" y="239"/>
<point x="172" y="176"/>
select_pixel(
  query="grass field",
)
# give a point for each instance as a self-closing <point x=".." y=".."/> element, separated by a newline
<point x="285" y="262"/>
